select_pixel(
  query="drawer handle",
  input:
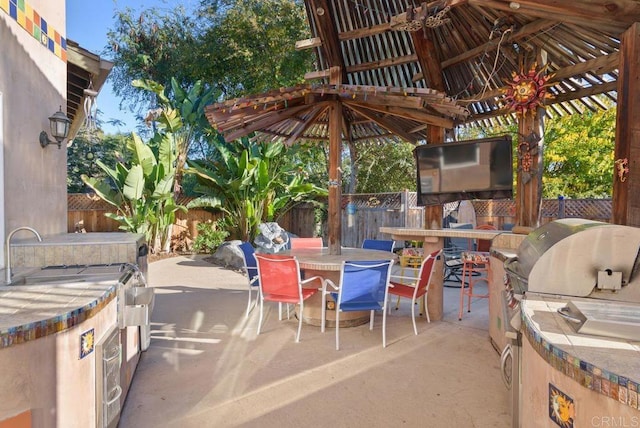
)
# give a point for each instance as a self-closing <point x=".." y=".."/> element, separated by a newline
<point x="117" y="397"/>
<point x="115" y="355"/>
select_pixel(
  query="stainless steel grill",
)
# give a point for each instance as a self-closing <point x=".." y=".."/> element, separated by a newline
<point x="592" y="264"/>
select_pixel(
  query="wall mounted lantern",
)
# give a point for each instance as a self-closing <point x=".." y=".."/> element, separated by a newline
<point x="59" y="124"/>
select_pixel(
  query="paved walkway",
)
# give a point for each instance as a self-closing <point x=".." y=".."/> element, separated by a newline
<point x="207" y="368"/>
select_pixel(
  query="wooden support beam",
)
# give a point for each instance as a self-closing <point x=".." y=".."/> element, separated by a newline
<point x="534" y="27"/>
<point x="416" y="115"/>
<point x="626" y="186"/>
<point x="308" y="43"/>
<point x="322" y="12"/>
<point x="606" y="15"/>
<point x="598" y="66"/>
<point x="383" y="122"/>
<point x="317" y="110"/>
<point x="334" y="212"/>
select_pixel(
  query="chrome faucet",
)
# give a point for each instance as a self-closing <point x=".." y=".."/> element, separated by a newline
<point x="7" y="250"/>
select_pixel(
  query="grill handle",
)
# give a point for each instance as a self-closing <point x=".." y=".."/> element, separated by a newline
<point x="564" y="313"/>
<point x="509" y="269"/>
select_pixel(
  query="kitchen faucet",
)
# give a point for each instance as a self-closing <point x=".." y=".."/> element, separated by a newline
<point x="7" y="250"/>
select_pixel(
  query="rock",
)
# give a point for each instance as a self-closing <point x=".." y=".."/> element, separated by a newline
<point x="229" y="254"/>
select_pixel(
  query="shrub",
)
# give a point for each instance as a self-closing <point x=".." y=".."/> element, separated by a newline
<point x="209" y="238"/>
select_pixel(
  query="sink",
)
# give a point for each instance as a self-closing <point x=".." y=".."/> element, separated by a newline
<point x="66" y="275"/>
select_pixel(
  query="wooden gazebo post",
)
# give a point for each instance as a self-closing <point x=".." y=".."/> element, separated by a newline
<point x="626" y="177"/>
<point x="335" y="178"/>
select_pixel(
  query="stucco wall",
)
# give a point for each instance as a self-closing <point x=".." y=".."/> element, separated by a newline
<point x="33" y="84"/>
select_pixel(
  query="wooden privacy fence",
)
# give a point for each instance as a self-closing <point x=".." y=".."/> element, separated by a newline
<point x="362" y="215"/>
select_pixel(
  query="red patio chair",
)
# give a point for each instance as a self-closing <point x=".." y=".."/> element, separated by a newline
<point x="279" y="278"/>
<point x="297" y="243"/>
<point x="417" y="287"/>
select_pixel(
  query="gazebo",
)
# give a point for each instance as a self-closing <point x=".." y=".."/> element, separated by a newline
<point x="412" y="71"/>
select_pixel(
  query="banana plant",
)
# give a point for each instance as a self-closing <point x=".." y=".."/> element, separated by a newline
<point x="189" y="105"/>
<point x="251" y="183"/>
<point x="142" y="192"/>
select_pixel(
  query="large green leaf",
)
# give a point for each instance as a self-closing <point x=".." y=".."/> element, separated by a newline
<point x="142" y="154"/>
<point x="134" y="185"/>
<point x="103" y="190"/>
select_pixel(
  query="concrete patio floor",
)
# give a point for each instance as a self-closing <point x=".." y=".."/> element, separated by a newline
<point x="206" y="367"/>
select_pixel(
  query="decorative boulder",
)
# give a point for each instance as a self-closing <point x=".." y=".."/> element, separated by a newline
<point x="229" y="254"/>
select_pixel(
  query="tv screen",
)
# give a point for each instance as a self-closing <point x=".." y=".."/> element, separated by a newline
<point x="474" y="169"/>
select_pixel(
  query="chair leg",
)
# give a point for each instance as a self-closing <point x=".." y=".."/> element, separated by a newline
<point x="248" y="304"/>
<point x="299" y="319"/>
<point x="371" y="320"/>
<point x="425" y="301"/>
<point x="462" y="293"/>
<point x="279" y="311"/>
<point x="384" y="328"/>
<point x="413" y="316"/>
<point x="337" y="329"/>
<point x="260" y="319"/>
<point x="323" y="312"/>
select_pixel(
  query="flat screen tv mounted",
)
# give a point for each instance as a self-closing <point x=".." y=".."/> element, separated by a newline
<point x="473" y="169"/>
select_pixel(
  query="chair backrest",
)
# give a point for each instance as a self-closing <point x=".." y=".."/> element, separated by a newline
<point x="379" y="244"/>
<point x="426" y="271"/>
<point x="305" y="243"/>
<point x="484" y="245"/>
<point x="364" y="284"/>
<point x="279" y="275"/>
<point x="250" y="267"/>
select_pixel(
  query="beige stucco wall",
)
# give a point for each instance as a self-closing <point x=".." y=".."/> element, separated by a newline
<point x="47" y="376"/>
<point x="33" y="84"/>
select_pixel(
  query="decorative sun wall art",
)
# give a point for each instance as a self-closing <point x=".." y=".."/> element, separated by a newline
<point x="528" y="90"/>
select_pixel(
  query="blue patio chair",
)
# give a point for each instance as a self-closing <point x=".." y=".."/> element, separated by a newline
<point x="251" y="269"/>
<point x="379" y="244"/>
<point x="363" y="287"/>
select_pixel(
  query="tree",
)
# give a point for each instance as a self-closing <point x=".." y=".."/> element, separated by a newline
<point x="385" y="167"/>
<point x="251" y="183"/>
<point x="578" y="156"/>
<point x="236" y="47"/>
<point x="83" y="154"/>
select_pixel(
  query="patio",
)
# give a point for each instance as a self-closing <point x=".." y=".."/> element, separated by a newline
<point x="207" y="367"/>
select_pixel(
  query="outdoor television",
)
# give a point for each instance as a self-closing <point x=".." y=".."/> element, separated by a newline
<point x="474" y="169"/>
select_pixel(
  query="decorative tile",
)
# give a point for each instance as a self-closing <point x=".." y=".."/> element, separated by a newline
<point x="561" y="407"/>
<point x="599" y="380"/>
<point x="36" y="26"/>
<point x="87" y="342"/>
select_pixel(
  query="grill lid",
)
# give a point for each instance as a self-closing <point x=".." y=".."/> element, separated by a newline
<point x="582" y="258"/>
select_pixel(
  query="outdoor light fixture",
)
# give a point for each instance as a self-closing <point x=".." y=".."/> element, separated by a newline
<point x="59" y="124"/>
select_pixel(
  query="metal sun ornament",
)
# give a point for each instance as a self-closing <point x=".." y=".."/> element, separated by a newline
<point x="528" y="90"/>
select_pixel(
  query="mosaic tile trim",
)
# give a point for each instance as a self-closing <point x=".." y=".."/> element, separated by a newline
<point x="37" y="26"/>
<point x="616" y="387"/>
<point x="35" y="330"/>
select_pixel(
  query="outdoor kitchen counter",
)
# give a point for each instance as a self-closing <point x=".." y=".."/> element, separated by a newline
<point x="599" y="375"/>
<point x="29" y="312"/>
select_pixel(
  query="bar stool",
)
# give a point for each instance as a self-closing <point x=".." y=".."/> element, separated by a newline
<point x="476" y="267"/>
<point x="475" y="264"/>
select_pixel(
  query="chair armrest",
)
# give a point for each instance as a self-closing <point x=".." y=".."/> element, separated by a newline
<point x="411" y="278"/>
<point x="313" y="278"/>
<point x="331" y="283"/>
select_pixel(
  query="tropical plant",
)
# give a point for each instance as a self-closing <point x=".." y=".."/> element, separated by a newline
<point x="251" y="183"/>
<point x="141" y="190"/>
<point x="194" y="126"/>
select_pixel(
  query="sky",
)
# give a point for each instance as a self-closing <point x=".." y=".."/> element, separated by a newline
<point x="87" y="24"/>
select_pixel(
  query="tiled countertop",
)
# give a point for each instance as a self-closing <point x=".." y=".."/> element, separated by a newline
<point x="606" y="365"/>
<point x="28" y="312"/>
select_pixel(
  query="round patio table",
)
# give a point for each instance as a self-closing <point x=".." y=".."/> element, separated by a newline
<point x="318" y="262"/>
